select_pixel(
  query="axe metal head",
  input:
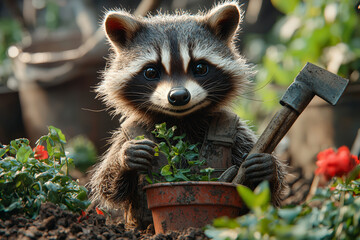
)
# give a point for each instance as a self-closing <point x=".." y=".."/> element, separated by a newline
<point x="313" y="80"/>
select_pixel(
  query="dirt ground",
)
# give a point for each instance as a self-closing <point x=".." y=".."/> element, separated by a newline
<point x="57" y="224"/>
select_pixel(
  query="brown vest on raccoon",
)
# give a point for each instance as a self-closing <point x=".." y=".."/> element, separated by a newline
<point x="216" y="149"/>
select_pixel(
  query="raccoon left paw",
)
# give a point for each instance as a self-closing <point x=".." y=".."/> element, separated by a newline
<point x="259" y="167"/>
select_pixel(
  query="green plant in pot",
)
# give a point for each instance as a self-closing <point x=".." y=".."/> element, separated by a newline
<point x="183" y="193"/>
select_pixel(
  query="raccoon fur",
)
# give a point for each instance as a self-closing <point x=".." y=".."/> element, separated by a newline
<point x="180" y="69"/>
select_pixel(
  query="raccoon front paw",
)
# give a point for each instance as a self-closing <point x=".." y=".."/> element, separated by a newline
<point x="137" y="155"/>
<point x="259" y="167"/>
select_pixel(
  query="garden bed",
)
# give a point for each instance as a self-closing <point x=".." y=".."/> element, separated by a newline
<point x="55" y="223"/>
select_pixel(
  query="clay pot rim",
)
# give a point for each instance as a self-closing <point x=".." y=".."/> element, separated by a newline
<point x="187" y="183"/>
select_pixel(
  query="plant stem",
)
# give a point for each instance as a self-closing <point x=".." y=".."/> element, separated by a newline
<point x="340" y="216"/>
<point x="314" y="186"/>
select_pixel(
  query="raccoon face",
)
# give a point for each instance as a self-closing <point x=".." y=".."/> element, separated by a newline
<point x="173" y="64"/>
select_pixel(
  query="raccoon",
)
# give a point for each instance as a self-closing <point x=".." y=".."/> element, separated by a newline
<point x="184" y="70"/>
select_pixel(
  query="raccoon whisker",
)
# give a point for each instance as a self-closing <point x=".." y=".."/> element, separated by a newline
<point x="146" y="86"/>
<point x="256" y="100"/>
<point x="209" y="87"/>
<point x="218" y="90"/>
<point x="259" y="88"/>
<point x="217" y="98"/>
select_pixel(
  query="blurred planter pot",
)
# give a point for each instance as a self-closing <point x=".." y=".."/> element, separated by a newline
<point x="178" y="206"/>
<point x="321" y="126"/>
<point x="55" y="75"/>
<point x="11" y="125"/>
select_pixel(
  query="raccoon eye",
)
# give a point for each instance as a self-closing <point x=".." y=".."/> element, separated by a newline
<point x="200" y="69"/>
<point x="151" y="73"/>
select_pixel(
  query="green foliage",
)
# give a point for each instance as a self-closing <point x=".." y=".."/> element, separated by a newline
<point x="83" y="151"/>
<point x="331" y="214"/>
<point x="323" y="32"/>
<point x="26" y="180"/>
<point x="285" y="6"/>
<point x="10" y="33"/>
<point x="183" y="158"/>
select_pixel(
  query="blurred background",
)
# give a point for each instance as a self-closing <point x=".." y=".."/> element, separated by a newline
<point x="52" y="53"/>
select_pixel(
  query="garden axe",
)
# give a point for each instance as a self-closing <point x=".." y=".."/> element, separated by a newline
<point x="312" y="80"/>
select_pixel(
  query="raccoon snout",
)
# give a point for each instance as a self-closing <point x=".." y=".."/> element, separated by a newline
<point x="179" y="96"/>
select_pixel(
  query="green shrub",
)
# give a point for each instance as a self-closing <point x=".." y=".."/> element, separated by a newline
<point x="29" y="177"/>
<point x="333" y="213"/>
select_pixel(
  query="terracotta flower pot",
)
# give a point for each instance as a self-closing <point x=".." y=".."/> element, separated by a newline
<point x="180" y="205"/>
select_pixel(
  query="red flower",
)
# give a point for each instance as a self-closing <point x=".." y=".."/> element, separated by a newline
<point x="98" y="211"/>
<point x="331" y="163"/>
<point x="83" y="216"/>
<point x="40" y="152"/>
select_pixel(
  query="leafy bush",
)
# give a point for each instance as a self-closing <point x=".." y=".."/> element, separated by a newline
<point x="183" y="158"/>
<point x="337" y="218"/>
<point x="29" y="177"/>
<point x="332" y="213"/>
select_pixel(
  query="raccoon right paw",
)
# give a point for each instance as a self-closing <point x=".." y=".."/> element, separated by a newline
<point x="137" y="155"/>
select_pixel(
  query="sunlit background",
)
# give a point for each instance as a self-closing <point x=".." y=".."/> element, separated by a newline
<point x="52" y="52"/>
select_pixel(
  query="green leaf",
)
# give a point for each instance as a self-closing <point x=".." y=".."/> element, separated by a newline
<point x="5" y="164"/>
<point x="170" y="132"/>
<point x="44" y="176"/>
<point x="49" y="147"/>
<point x="56" y="134"/>
<point x="157" y="150"/>
<point x="23" y="154"/>
<point x="82" y="194"/>
<point x="222" y="233"/>
<point x="148" y="179"/>
<point x="285" y="6"/>
<point x="61" y="179"/>
<point x="181" y="146"/>
<point x="193" y="147"/>
<point x="176" y="159"/>
<point x="260" y="198"/>
<point x="23" y="179"/>
<point x="13" y="206"/>
<point x="289" y="214"/>
<point x="140" y="137"/>
<point x="164" y="148"/>
<point x="190" y="155"/>
<point x="15" y="144"/>
<point x="247" y="196"/>
<point x="353" y="174"/>
<point x="3" y="151"/>
<point x="225" y="222"/>
<point x="262" y="192"/>
<point x="170" y="178"/>
<point x="179" y="137"/>
<point x="166" y="171"/>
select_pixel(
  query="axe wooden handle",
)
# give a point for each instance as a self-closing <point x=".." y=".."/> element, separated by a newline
<point x="272" y="135"/>
<point x="312" y="80"/>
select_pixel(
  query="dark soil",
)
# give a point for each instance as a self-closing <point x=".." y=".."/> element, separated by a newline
<point x="55" y="223"/>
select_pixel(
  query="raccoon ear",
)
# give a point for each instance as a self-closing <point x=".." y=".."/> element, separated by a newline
<point x="120" y="28"/>
<point x="224" y="20"/>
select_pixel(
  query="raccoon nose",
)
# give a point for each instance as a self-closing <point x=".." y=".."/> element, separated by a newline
<point x="179" y="96"/>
